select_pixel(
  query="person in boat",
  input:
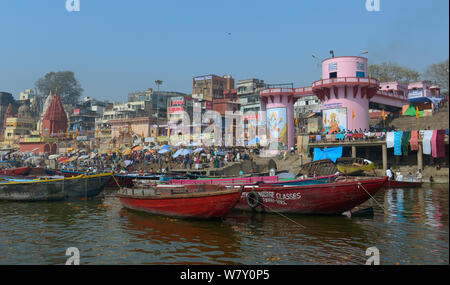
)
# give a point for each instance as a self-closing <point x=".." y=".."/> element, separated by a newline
<point x="399" y="176"/>
<point x="419" y="175"/>
<point x="389" y="174"/>
<point x="411" y="177"/>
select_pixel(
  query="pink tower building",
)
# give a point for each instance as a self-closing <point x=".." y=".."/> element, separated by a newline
<point x="345" y="91"/>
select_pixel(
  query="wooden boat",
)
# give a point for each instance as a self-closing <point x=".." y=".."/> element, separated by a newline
<point x="321" y="167"/>
<point x="18" y="171"/>
<point x="348" y="165"/>
<point x="45" y="189"/>
<point x="331" y="198"/>
<point x="402" y="184"/>
<point x="187" y="201"/>
<point x="355" y="168"/>
<point x="120" y="180"/>
<point x="256" y="180"/>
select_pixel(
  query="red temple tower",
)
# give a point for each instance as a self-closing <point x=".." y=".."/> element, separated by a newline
<point x="55" y="119"/>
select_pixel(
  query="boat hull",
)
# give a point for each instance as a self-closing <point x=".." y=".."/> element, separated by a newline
<point x="82" y="186"/>
<point x="321" y="199"/>
<point x="270" y="180"/>
<point x="199" y="206"/>
<point x="19" y="171"/>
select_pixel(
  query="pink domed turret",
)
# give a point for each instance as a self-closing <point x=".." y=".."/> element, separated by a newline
<point x="345" y="91"/>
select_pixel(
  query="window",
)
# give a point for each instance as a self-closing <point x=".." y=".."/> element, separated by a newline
<point x="360" y="74"/>
<point x="333" y="74"/>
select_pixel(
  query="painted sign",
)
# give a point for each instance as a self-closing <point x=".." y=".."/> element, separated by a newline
<point x="177" y="101"/>
<point x="334" y="119"/>
<point x="202" y="78"/>
<point x="415" y="93"/>
<point x="276" y="125"/>
<point x="175" y="110"/>
<point x="274" y="197"/>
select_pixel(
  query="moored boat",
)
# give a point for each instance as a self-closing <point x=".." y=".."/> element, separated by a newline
<point x="18" y="171"/>
<point x="44" y="189"/>
<point x="255" y="180"/>
<point x="402" y="184"/>
<point x="188" y="201"/>
<point x="331" y="198"/>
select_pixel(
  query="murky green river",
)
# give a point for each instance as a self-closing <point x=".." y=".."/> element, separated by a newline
<point x="410" y="226"/>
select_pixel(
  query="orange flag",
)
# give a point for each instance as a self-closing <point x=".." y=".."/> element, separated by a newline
<point x="417" y="112"/>
<point x="353" y="114"/>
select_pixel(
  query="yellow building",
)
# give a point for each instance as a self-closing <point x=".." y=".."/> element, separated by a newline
<point x="16" y="127"/>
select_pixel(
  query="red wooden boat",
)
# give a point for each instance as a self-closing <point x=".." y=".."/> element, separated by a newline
<point x="402" y="184"/>
<point x="187" y="201"/>
<point x="19" y="171"/>
<point x="331" y="198"/>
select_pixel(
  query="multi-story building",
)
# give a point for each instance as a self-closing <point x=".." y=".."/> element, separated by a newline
<point x="306" y="105"/>
<point x="248" y="94"/>
<point x="19" y="126"/>
<point x="5" y="100"/>
<point x="178" y="105"/>
<point x="27" y="95"/>
<point x="145" y="95"/>
<point x="210" y="87"/>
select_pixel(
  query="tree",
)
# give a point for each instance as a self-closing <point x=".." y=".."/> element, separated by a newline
<point x="390" y="71"/>
<point x="438" y="73"/>
<point x="69" y="89"/>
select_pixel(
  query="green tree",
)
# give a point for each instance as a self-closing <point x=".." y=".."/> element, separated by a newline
<point x="69" y="89"/>
<point x="438" y="73"/>
<point x="390" y="71"/>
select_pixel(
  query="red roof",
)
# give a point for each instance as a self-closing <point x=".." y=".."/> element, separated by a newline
<point x="55" y="119"/>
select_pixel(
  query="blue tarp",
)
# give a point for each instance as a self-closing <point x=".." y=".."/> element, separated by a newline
<point x="164" y="150"/>
<point x="332" y="153"/>
<point x="253" y="141"/>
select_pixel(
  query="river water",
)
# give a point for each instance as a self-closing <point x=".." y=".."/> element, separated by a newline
<point x="410" y="226"/>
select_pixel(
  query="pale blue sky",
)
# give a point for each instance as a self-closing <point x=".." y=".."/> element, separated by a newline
<point x="117" y="46"/>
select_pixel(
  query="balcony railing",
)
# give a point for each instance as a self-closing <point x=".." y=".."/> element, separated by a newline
<point x="346" y="80"/>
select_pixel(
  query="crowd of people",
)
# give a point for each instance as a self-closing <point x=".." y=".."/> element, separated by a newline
<point x="151" y="161"/>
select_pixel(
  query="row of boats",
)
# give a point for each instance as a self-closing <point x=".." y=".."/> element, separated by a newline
<point x="200" y="198"/>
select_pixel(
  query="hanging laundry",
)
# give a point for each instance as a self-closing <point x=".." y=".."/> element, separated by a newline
<point x="405" y="142"/>
<point x="438" y="143"/>
<point x="426" y="141"/>
<point x="390" y="139"/>
<point x="398" y="143"/>
<point x="414" y="141"/>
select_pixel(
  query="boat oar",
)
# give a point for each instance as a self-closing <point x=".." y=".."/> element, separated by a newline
<point x="117" y="182"/>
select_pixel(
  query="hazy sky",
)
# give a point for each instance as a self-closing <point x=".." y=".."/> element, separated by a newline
<point x="117" y="46"/>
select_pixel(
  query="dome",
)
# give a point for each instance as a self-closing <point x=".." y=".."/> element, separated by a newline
<point x="24" y="111"/>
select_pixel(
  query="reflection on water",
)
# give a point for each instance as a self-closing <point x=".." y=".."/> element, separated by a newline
<point x="411" y="227"/>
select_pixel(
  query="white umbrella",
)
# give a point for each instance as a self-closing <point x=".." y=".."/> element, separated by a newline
<point x="186" y="152"/>
<point x="198" y="150"/>
<point x="164" y="150"/>
<point x="177" y="153"/>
